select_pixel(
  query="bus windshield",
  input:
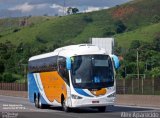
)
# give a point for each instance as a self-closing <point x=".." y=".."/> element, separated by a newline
<point x="92" y="71"/>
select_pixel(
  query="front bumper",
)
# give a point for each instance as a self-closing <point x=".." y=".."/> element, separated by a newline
<point x="94" y="102"/>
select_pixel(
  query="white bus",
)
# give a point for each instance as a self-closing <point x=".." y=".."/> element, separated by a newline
<point x="73" y="76"/>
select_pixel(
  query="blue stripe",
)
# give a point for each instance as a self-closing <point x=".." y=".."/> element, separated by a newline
<point x="82" y="92"/>
<point x="32" y="88"/>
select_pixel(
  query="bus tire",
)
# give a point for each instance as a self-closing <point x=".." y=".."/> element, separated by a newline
<point x="36" y="101"/>
<point x="64" y="107"/>
<point x="102" y="109"/>
<point x="40" y="105"/>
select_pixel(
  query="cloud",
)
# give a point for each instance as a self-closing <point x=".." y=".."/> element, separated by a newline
<point x="59" y="8"/>
<point x="56" y="6"/>
<point x="96" y="3"/>
<point x="16" y="8"/>
<point x="26" y="7"/>
<point x="92" y="8"/>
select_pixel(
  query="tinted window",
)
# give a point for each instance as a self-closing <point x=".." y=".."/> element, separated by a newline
<point x="62" y="69"/>
<point x="42" y="65"/>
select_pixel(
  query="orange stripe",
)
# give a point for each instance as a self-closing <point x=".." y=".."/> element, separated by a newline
<point x="54" y="86"/>
<point x="99" y="92"/>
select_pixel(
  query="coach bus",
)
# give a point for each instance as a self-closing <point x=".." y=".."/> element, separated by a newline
<point x="73" y="76"/>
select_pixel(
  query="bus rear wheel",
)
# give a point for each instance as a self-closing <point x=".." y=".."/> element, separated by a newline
<point x="40" y="105"/>
<point x="36" y="101"/>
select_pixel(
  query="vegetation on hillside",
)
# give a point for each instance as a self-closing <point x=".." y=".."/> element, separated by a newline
<point x="135" y="25"/>
<point x="142" y="57"/>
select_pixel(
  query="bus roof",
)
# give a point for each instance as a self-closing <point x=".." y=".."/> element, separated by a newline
<point x="72" y="50"/>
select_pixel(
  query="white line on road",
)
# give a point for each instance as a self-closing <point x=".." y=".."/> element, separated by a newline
<point x="136" y="106"/>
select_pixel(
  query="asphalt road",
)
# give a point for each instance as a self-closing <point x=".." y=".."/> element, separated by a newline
<point x="14" y="107"/>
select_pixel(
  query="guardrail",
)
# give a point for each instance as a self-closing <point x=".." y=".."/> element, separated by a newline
<point x="14" y="86"/>
<point x="141" y="86"/>
<point x="124" y="86"/>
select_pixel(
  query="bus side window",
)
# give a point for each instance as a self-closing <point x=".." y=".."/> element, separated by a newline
<point x="62" y="69"/>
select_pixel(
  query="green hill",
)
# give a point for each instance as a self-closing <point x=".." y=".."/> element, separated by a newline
<point x="146" y="34"/>
<point x="79" y="28"/>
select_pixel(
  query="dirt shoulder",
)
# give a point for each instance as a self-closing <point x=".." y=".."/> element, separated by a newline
<point x="14" y="93"/>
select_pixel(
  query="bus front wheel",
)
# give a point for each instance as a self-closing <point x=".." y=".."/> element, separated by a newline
<point x="64" y="107"/>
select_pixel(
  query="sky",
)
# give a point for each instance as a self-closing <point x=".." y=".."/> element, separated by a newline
<point x="18" y="8"/>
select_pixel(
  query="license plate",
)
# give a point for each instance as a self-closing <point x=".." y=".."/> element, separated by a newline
<point x="95" y="101"/>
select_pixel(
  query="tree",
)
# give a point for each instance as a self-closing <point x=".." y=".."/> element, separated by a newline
<point x="156" y="19"/>
<point x="156" y="43"/>
<point x="75" y="10"/>
<point x="3" y="48"/>
<point x="71" y="10"/>
<point x="7" y="77"/>
<point x="2" y="67"/>
<point x="155" y="72"/>
<point x="108" y="32"/>
<point x="120" y="27"/>
<point x="135" y="44"/>
<point x="20" y="48"/>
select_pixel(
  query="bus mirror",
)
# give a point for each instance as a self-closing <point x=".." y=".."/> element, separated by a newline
<point x="68" y="63"/>
<point x="116" y="61"/>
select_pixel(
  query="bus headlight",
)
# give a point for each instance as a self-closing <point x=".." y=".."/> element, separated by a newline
<point x="112" y="95"/>
<point x="76" y="97"/>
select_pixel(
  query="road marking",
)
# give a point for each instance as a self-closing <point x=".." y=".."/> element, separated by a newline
<point x="136" y="106"/>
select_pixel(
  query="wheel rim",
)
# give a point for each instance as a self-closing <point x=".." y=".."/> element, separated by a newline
<point x="36" y="102"/>
<point x="39" y="102"/>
